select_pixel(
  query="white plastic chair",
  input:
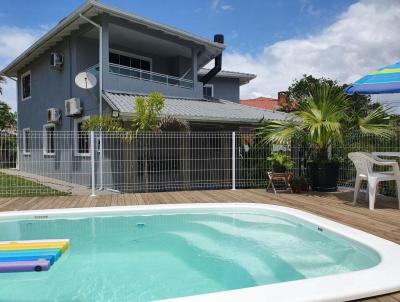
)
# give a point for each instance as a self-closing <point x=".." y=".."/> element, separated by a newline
<point x="364" y="163"/>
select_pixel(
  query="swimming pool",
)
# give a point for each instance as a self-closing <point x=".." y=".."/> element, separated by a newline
<point x="206" y="252"/>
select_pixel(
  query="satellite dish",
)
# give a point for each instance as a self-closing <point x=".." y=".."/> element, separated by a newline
<point x="85" y="80"/>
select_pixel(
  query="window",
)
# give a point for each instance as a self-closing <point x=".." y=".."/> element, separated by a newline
<point x="128" y="60"/>
<point x="208" y="91"/>
<point x="48" y="139"/>
<point x="82" y="138"/>
<point x="26" y="85"/>
<point x="26" y="141"/>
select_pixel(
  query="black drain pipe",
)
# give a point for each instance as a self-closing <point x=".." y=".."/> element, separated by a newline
<point x="218" y="62"/>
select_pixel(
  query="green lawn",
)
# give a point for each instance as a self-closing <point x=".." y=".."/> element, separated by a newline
<point x="14" y="186"/>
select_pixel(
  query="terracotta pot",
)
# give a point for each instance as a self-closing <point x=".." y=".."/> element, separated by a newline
<point x="297" y="189"/>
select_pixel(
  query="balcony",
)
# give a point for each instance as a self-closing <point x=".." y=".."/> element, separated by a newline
<point x="150" y="76"/>
<point x="123" y="78"/>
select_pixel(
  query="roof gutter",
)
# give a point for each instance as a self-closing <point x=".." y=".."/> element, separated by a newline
<point x="100" y="60"/>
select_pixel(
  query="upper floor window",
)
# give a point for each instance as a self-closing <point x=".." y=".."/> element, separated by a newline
<point x="130" y="60"/>
<point x="82" y="138"/>
<point x="208" y="91"/>
<point x="48" y="139"/>
<point x="26" y="85"/>
<point x="26" y="141"/>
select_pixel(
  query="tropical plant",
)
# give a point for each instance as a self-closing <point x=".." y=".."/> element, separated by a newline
<point x="298" y="180"/>
<point x="281" y="162"/>
<point x="146" y="116"/>
<point x="171" y="123"/>
<point x="322" y="120"/>
<point x="299" y="184"/>
<point x="147" y="112"/>
<point x="105" y="123"/>
<point x="7" y="117"/>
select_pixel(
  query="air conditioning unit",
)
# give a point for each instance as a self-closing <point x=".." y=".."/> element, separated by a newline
<point x="73" y="107"/>
<point x="53" y="115"/>
<point x="56" y="60"/>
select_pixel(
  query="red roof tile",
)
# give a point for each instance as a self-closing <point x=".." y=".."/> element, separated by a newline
<point x="261" y="102"/>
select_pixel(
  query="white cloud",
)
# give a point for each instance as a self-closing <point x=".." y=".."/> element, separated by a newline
<point x="13" y="41"/>
<point x="10" y="94"/>
<point x="308" y="7"/>
<point x="226" y="7"/>
<point x="217" y="6"/>
<point x="362" y="39"/>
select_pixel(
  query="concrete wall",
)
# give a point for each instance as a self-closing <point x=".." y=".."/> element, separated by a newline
<point x="226" y="88"/>
<point x="51" y="87"/>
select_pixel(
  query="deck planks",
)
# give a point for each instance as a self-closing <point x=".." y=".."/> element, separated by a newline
<point x="384" y="221"/>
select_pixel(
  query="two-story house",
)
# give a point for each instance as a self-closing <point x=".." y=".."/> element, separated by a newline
<point x="128" y="56"/>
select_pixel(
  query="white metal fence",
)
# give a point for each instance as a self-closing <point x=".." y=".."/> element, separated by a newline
<point x="39" y="163"/>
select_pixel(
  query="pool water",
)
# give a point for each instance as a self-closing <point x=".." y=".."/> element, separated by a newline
<point x="152" y="257"/>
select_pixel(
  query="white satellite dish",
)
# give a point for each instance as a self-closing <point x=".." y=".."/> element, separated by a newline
<point x="85" y="80"/>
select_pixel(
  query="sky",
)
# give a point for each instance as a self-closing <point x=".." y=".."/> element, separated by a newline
<point x="279" y="41"/>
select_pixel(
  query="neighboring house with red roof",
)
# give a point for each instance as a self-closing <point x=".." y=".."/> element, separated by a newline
<point x="262" y="102"/>
<point x="282" y="102"/>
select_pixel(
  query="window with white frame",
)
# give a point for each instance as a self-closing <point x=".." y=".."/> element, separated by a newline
<point x="208" y="91"/>
<point x="26" y="86"/>
<point x="81" y="137"/>
<point x="48" y="139"/>
<point x="26" y="141"/>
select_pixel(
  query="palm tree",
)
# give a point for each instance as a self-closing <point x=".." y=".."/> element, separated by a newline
<point x="323" y="120"/>
<point x="320" y="121"/>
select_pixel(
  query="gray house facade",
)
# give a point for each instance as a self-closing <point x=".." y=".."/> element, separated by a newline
<point x="226" y="84"/>
<point x="128" y="55"/>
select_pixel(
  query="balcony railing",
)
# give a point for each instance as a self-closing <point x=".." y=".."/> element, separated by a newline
<point x="150" y="76"/>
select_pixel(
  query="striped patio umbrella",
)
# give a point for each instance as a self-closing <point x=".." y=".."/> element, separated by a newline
<point x="383" y="80"/>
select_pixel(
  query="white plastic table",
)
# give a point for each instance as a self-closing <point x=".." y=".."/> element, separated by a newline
<point x="394" y="154"/>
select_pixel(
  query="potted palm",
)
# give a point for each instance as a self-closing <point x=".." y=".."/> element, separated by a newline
<point x="320" y="121"/>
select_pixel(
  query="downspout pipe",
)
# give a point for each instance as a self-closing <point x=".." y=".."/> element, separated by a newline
<point x="218" y="62"/>
<point x="100" y="60"/>
<point x="100" y="90"/>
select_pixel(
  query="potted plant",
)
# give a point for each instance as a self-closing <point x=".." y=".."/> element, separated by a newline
<point x="299" y="184"/>
<point x="281" y="162"/>
<point x="319" y="121"/>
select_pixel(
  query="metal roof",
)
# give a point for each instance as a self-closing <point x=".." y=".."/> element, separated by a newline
<point x="244" y="78"/>
<point x="90" y="9"/>
<point x="207" y="110"/>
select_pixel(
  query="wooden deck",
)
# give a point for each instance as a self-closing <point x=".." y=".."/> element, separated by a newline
<point x="384" y="221"/>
